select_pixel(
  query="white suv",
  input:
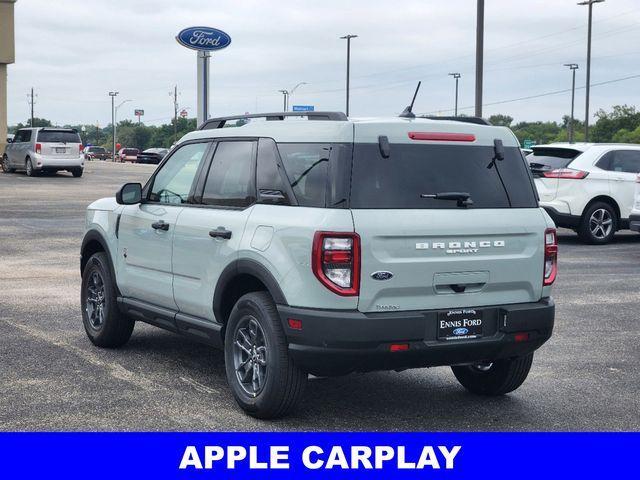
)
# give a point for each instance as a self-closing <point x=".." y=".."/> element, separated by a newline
<point x="634" y="218"/>
<point x="587" y="187"/>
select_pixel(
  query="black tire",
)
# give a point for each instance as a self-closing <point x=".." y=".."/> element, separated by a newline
<point x="77" y="172"/>
<point x="113" y="329"/>
<point x="283" y="382"/>
<point x="501" y="377"/>
<point x="5" y="165"/>
<point x="601" y="217"/>
<point x="29" y="170"/>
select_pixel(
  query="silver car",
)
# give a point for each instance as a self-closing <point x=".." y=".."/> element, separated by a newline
<point x="49" y="149"/>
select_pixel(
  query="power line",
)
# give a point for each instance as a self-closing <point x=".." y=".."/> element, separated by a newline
<point x="539" y="95"/>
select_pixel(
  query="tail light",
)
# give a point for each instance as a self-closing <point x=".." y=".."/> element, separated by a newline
<point x="336" y="261"/>
<point x="38" y="147"/>
<point x="550" y="256"/>
<point x="567" y="173"/>
<point x="442" y="136"/>
<point x="80" y="148"/>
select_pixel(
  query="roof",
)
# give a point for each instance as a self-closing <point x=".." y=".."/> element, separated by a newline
<point x="365" y="130"/>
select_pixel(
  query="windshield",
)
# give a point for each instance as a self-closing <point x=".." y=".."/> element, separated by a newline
<point x="413" y="170"/>
<point x="58" y="136"/>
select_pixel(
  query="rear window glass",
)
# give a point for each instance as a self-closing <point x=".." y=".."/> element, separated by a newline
<point x="97" y="150"/>
<point x="552" y="157"/>
<point x="398" y="181"/>
<point x="130" y="151"/>
<point x="58" y="136"/>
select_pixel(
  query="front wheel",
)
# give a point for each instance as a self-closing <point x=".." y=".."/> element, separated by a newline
<point x="599" y="224"/>
<point x="497" y="378"/>
<point x="103" y="322"/>
<point x="29" y="168"/>
<point x="5" y="165"/>
<point x="263" y="378"/>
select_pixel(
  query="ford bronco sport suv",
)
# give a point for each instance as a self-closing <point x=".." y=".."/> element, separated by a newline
<point x="325" y="245"/>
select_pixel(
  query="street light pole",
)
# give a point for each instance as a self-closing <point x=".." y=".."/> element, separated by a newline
<point x="113" y="96"/>
<point x="586" y="108"/>
<point x="115" y="120"/>
<point x="290" y="92"/>
<point x="573" y="67"/>
<point x="457" y="77"/>
<point x="348" y="39"/>
<point x="479" y="56"/>
<point x="285" y="103"/>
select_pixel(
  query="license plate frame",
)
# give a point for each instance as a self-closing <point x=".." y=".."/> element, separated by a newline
<point x="61" y="150"/>
<point x="460" y="324"/>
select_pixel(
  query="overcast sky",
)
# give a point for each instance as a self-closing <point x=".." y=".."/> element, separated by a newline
<point x="73" y="52"/>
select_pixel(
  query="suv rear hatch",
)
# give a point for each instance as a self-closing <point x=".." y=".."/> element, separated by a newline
<point x="544" y="160"/>
<point x="58" y="143"/>
<point x="425" y="253"/>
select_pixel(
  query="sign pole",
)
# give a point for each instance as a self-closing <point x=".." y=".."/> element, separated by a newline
<point x="203" y="86"/>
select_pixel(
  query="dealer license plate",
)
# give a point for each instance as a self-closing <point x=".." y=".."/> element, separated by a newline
<point x="460" y="324"/>
<point x="60" y="150"/>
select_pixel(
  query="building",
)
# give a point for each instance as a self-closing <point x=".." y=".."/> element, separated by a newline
<point x="7" y="56"/>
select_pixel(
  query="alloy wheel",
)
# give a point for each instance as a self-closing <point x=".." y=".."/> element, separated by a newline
<point x="600" y="223"/>
<point x="95" y="303"/>
<point x="250" y="356"/>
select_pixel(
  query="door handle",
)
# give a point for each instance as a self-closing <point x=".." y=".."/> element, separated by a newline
<point x="160" y="225"/>
<point x="220" y="232"/>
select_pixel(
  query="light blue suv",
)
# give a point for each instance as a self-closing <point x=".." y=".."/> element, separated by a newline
<point x="323" y="245"/>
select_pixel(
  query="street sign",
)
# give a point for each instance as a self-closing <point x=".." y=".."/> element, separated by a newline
<point x="203" y="38"/>
<point x="183" y="113"/>
<point x="138" y="112"/>
<point x="303" y="108"/>
<point x="528" y="143"/>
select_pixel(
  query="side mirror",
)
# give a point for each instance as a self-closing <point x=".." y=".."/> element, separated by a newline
<point x="129" y="194"/>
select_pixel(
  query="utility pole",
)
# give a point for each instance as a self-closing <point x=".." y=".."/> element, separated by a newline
<point x="586" y="108"/>
<point x="348" y="39"/>
<point x="175" y="113"/>
<point x="457" y="77"/>
<point x="113" y="96"/>
<point x="573" y="67"/>
<point x="479" y="56"/>
<point x="32" y="102"/>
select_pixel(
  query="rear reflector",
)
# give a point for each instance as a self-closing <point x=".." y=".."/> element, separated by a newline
<point x="294" y="324"/>
<point x="521" y="337"/>
<point x="567" y="173"/>
<point x="442" y="136"/>
<point x="399" y="347"/>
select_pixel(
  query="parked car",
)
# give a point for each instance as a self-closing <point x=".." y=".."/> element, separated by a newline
<point x="128" y="155"/>
<point x="10" y="137"/>
<point x="587" y="187"/>
<point x="152" y="155"/>
<point x="325" y="247"/>
<point x="634" y="218"/>
<point x="96" y="153"/>
<point x="44" y="149"/>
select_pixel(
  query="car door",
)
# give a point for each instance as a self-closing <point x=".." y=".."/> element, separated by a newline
<point x="624" y="168"/>
<point x="146" y="230"/>
<point x="207" y="236"/>
<point x="16" y="158"/>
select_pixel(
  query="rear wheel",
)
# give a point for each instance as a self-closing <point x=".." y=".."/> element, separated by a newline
<point x="29" y="168"/>
<point x="5" y="165"/>
<point x="263" y="378"/>
<point x="103" y="322"/>
<point x="76" y="172"/>
<point x="599" y="224"/>
<point x="497" y="378"/>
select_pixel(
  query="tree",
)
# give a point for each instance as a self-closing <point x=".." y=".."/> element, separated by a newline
<point x="609" y="123"/>
<point x="501" y="120"/>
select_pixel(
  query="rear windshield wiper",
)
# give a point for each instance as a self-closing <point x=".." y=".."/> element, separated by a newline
<point x="463" y="198"/>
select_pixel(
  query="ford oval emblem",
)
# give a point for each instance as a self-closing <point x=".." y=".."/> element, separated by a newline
<point x="203" y="38"/>
<point x="461" y="331"/>
<point x="381" y="275"/>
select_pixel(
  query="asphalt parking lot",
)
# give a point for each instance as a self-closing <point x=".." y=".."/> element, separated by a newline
<point x="51" y="377"/>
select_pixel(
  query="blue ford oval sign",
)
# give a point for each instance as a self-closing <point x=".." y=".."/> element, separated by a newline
<point x="203" y="38"/>
<point x="461" y="331"/>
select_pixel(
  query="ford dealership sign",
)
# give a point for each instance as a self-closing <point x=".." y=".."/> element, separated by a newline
<point x="203" y="38"/>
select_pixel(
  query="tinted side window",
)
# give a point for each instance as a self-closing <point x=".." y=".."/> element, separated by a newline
<point x="230" y="178"/>
<point x="627" y="161"/>
<point x="269" y="176"/>
<point x="172" y="183"/>
<point x="23" y="136"/>
<point x="605" y="162"/>
<point x="307" y="167"/>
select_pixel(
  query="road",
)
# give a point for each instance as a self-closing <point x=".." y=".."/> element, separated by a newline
<point x="51" y="377"/>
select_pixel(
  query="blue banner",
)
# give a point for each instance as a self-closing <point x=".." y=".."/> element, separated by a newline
<point x="319" y="455"/>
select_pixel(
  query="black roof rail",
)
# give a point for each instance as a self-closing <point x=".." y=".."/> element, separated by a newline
<point x="476" y="120"/>
<point x="220" y="122"/>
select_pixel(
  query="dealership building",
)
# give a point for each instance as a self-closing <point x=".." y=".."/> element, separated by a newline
<point x="7" y="56"/>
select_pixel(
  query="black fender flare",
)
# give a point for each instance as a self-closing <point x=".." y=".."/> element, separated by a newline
<point x="246" y="267"/>
<point x="96" y="236"/>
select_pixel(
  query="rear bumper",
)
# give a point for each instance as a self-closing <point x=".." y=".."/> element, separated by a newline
<point x="337" y="342"/>
<point x="52" y="163"/>
<point x="565" y="220"/>
<point x="634" y="222"/>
